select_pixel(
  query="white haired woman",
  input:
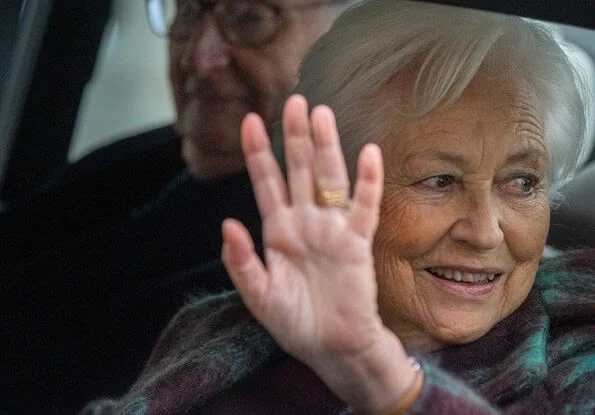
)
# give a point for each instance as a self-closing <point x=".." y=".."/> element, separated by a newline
<point x="424" y="291"/>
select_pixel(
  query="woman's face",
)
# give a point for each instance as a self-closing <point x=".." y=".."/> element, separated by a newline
<point x="464" y="216"/>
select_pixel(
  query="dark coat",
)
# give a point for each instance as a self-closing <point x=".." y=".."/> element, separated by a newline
<point x="85" y="312"/>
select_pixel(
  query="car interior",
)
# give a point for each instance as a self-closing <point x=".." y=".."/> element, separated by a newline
<point x="53" y="188"/>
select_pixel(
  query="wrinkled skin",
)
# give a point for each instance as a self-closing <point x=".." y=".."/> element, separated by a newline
<point x="482" y="207"/>
<point x="216" y="84"/>
<point x="317" y="294"/>
<point x="464" y="189"/>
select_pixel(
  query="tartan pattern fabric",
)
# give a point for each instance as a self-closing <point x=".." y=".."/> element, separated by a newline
<point x="539" y="360"/>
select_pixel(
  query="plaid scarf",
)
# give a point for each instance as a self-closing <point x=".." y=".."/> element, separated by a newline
<point x="215" y="358"/>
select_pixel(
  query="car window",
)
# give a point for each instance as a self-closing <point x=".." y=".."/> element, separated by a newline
<point x="129" y="90"/>
<point x="579" y="45"/>
<point x="22" y="26"/>
<point x="69" y="179"/>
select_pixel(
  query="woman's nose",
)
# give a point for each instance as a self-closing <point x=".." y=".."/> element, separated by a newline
<point x="479" y="223"/>
<point x="207" y="48"/>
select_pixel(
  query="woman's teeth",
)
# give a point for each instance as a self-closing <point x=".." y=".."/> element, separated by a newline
<point x="451" y="274"/>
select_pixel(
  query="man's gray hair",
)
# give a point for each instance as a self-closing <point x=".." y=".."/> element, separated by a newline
<point x="372" y="44"/>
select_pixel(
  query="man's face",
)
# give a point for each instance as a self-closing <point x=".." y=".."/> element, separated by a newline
<point x="215" y="84"/>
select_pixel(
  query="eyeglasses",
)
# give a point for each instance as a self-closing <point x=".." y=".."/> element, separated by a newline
<point x="250" y="23"/>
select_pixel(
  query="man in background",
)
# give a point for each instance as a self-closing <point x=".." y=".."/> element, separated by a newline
<point x="94" y="305"/>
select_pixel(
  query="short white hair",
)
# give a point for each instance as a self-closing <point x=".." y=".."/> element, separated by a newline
<point x="371" y="44"/>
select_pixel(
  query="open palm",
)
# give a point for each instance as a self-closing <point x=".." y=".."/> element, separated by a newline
<point x="317" y="293"/>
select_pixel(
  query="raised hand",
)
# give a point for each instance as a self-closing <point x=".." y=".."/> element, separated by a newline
<point x="317" y="293"/>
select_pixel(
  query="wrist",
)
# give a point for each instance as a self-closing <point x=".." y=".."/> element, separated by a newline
<point x="375" y="381"/>
<point x="395" y="377"/>
<point x="407" y="400"/>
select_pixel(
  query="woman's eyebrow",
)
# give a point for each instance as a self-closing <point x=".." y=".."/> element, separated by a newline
<point x="436" y="154"/>
<point x="532" y="154"/>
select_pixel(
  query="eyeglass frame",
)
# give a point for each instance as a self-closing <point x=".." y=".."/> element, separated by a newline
<point x="159" y="26"/>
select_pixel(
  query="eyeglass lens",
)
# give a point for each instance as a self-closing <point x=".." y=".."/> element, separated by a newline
<point x="241" y="21"/>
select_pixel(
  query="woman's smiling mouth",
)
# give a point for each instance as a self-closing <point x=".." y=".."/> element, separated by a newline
<point x="462" y="276"/>
<point x="465" y="283"/>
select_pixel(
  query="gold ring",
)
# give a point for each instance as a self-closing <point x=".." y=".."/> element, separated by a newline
<point x="333" y="198"/>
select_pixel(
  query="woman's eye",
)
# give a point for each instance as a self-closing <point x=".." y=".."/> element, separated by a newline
<point x="438" y="182"/>
<point x="522" y="185"/>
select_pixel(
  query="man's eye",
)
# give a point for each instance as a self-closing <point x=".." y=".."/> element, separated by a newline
<point x="250" y="17"/>
<point x="245" y="18"/>
<point x="250" y="25"/>
<point x="187" y="10"/>
<point x="440" y="182"/>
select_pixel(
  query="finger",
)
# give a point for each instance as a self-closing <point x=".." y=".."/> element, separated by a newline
<point x="299" y="150"/>
<point x="330" y="169"/>
<point x="268" y="183"/>
<point x="246" y="270"/>
<point x="365" y="206"/>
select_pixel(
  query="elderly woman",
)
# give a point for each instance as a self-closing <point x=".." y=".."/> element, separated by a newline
<point x="420" y="289"/>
